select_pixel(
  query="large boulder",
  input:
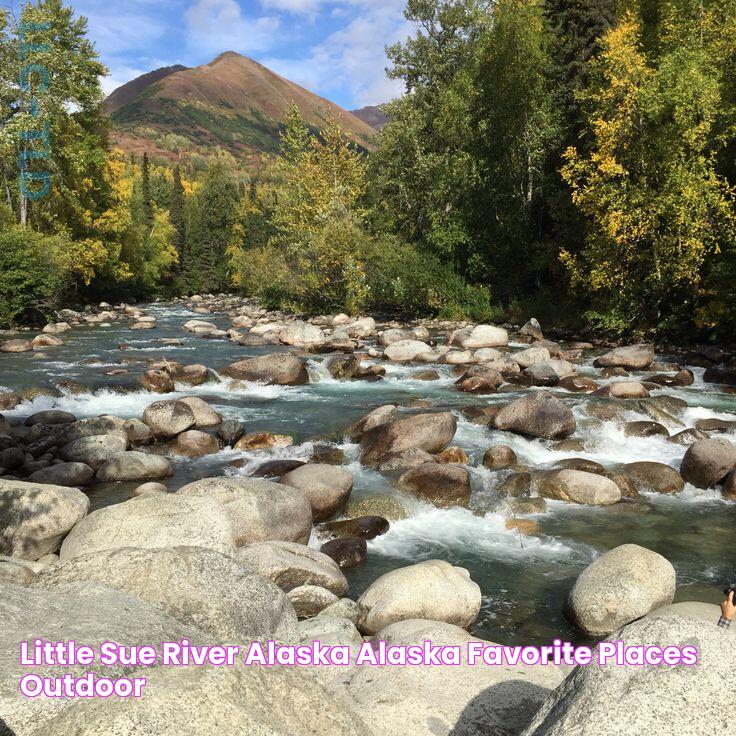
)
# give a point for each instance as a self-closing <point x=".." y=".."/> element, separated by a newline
<point x="376" y="418"/>
<point x="134" y="466"/>
<point x="88" y="613"/>
<point x="152" y="521"/>
<point x="194" y="443"/>
<point x="259" y="510"/>
<point x="169" y="418"/>
<point x="619" y="587"/>
<point x="609" y="700"/>
<point x="433" y="589"/>
<point x="291" y="565"/>
<point x="204" y="415"/>
<point x="301" y="334"/>
<point x="538" y="414"/>
<point x="486" y="336"/>
<point x="196" y="586"/>
<point x="63" y="474"/>
<point x="578" y="486"/>
<point x="708" y="462"/>
<point x="90" y="427"/>
<point x="530" y="356"/>
<point x="654" y="477"/>
<point x="442" y="485"/>
<point x="428" y="432"/>
<point x="191" y="701"/>
<point x="630" y="357"/>
<point x="404" y="351"/>
<point x="459" y="700"/>
<point x="158" y="381"/>
<point x="34" y="518"/>
<point x="326" y="486"/>
<point x="281" y="369"/>
<point x="95" y="451"/>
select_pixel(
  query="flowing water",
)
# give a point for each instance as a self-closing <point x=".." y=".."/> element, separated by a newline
<point x="524" y="579"/>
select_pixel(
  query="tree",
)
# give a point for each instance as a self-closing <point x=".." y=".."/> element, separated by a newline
<point x="146" y="192"/>
<point x="176" y="215"/>
<point x="656" y="206"/>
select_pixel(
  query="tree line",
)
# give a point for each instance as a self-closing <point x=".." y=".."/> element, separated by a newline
<point x="574" y="159"/>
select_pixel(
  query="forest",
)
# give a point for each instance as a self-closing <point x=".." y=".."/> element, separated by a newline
<point x="574" y="160"/>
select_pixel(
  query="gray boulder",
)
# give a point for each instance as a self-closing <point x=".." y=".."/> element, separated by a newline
<point x="259" y="510"/>
<point x="134" y="466"/>
<point x="619" y="587"/>
<point x="433" y="589"/>
<point x="442" y="485"/>
<point x="64" y="474"/>
<point x="281" y="369"/>
<point x="609" y="700"/>
<point x="327" y="487"/>
<point x="538" y="414"/>
<point x="291" y="565"/>
<point x="152" y="521"/>
<point x="708" y="462"/>
<point x="95" y="450"/>
<point x="631" y="357"/>
<point x="429" y="432"/>
<point x="34" y="518"/>
<point x="169" y="418"/>
<point x="578" y="486"/>
<point x="196" y="586"/>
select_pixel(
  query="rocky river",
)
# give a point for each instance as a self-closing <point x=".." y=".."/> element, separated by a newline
<point x="517" y="458"/>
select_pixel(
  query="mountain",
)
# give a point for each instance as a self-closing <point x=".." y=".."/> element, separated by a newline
<point x="233" y="103"/>
<point x="372" y="115"/>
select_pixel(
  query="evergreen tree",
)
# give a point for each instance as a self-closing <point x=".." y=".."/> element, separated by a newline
<point x="146" y="188"/>
<point x="176" y="215"/>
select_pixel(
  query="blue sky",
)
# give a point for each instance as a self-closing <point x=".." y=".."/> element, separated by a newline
<point x="332" y="47"/>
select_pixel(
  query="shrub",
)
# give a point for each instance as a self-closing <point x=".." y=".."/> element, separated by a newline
<point x="30" y="279"/>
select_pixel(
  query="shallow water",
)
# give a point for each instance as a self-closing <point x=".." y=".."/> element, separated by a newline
<point x="524" y="579"/>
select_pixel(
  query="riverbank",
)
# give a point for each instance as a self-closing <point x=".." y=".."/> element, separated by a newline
<point x="503" y="462"/>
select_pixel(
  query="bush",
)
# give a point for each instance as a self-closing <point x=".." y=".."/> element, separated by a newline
<point x="30" y="280"/>
<point x="342" y="268"/>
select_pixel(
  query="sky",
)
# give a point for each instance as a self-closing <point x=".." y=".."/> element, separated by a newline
<point x="332" y="47"/>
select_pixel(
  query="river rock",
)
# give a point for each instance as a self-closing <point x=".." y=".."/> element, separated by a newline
<point x="301" y="334"/>
<point x="290" y="565"/>
<point x="34" y="518"/>
<point x="81" y="612"/>
<point x="631" y="357"/>
<point x="230" y="431"/>
<point x="91" y="427"/>
<point x="134" y="466"/>
<point x="619" y="587"/>
<point x="326" y="486"/>
<point x="63" y="474"/>
<point x="530" y="356"/>
<point x="486" y="336"/>
<point x="342" y="367"/>
<point x="499" y="457"/>
<point x="194" y="443"/>
<point x="623" y="390"/>
<point x="578" y="384"/>
<point x="169" y="418"/>
<point x="538" y="414"/>
<point x="656" y="477"/>
<point x="259" y="510"/>
<point x="405" y="351"/>
<point x="263" y="441"/>
<point x="609" y="700"/>
<point x="192" y="375"/>
<point x="376" y="418"/>
<point x="16" y="346"/>
<point x="444" y="486"/>
<point x="194" y="585"/>
<point x="365" y="527"/>
<point x="433" y="589"/>
<point x="347" y="552"/>
<point x="708" y="462"/>
<point x="204" y="415"/>
<point x="378" y="504"/>
<point x="645" y="429"/>
<point x="688" y="437"/>
<point x="310" y="600"/>
<point x="95" y="450"/>
<point x="428" y="432"/>
<point x="360" y="328"/>
<point x="578" y="486"/>
<point x="152" y="521"/>
<point x="50" y="417"/>
<point x="158" y="381"/>
<point x="280" y="369"/>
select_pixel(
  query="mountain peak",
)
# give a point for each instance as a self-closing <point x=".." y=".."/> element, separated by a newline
<point x="232" y="102"/>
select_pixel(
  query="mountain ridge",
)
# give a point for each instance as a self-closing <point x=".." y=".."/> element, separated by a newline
<point x="232" y="102"/>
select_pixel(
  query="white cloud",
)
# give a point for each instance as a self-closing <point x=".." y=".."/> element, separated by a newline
<point x="354" y="56"/>
<point x="220" y="25"/>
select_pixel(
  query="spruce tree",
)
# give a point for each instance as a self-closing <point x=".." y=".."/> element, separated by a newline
<point x="146" y="185"/>
<point x="176" y="214"/>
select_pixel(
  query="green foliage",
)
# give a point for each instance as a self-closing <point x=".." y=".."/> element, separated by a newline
<point x="31" y="279"/>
